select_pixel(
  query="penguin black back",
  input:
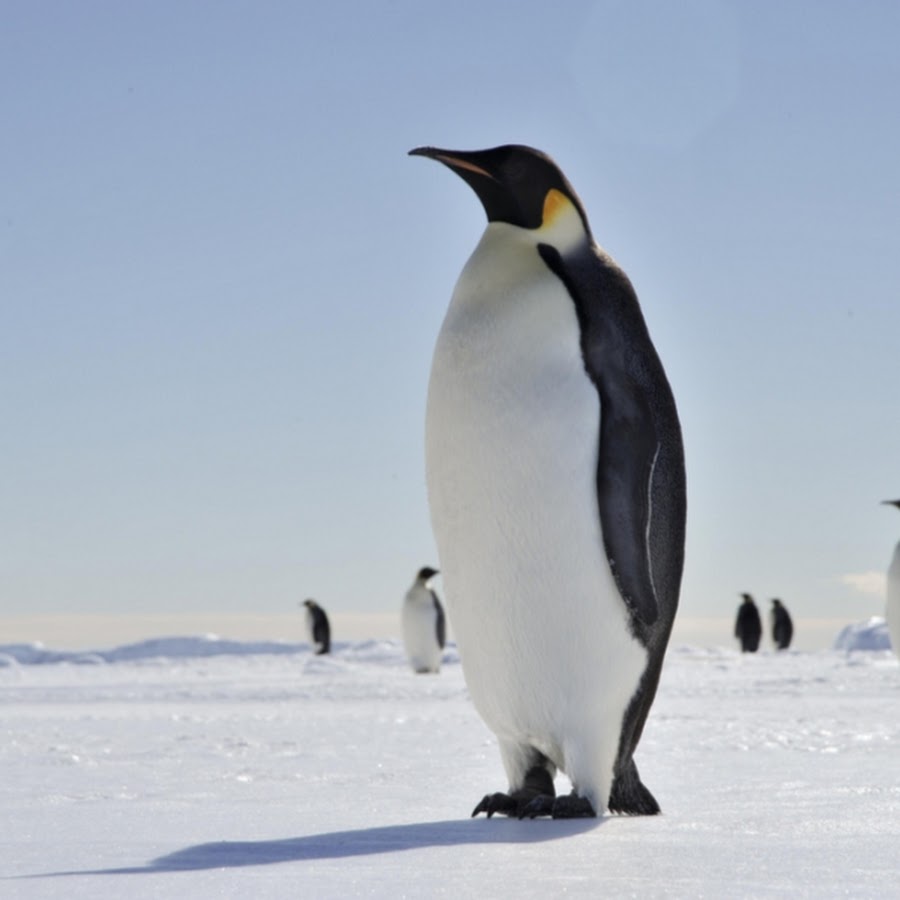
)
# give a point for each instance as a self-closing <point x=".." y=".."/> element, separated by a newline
<point x="748" y="627"/>
<point x="782" y="626"/>
<point x="320" y="628"/>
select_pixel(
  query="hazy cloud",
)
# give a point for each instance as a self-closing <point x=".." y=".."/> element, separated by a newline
<point x="865" y="582"/>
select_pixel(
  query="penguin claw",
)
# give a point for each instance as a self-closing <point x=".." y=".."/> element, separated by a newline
<point x="497" y="803"/>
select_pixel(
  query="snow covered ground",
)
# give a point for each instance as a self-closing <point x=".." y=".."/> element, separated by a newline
<point x="194" y="768"/>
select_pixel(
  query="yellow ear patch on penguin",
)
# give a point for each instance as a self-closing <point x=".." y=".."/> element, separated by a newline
<point x="561" y="223"/>
<point x="555" y="204"/>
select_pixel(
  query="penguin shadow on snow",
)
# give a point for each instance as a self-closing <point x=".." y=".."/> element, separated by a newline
<point x="354" y="843"/>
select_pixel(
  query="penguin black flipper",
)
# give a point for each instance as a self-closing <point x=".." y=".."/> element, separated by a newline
<point x="322" y="632"/>
<point x="640" y="470"/>
<point x="440" y="622"/>
<point x="641" y="484"/>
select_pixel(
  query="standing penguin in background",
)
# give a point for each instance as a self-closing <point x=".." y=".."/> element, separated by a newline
<point x="556" y="486"/>
<point x="892" y="611"/>
<point x="782" y="626"/>
<point x="424" y="625"/>
<point x="748" y="627"/>
<point x="317" y="627"/>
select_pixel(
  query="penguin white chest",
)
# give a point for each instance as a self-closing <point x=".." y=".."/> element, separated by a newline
<point x="512" y="430"/>
<point x="419" y="620"/>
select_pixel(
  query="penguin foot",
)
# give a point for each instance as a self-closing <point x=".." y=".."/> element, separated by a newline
<point x="505" y="804"/>
<point x="573" y="807"/>
<point x="519" y="805"/>
<point x="542" y="805"/>
<point x="570" y="807"/>
<point x="537" y="790"/>
<point x="532" y="806"/>
<point x="630" y="796"/>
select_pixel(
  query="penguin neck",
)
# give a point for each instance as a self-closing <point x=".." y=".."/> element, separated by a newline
<point x="563" y="229"/>
<point x="505" y="257"/>
<point x="419" y="595"/>
<point x="518" y="248"/>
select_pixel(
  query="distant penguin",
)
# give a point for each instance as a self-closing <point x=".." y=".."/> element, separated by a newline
<point x="748" y="627"/>
<point x="317" y="627"/>
<point x="892" y="612"/>
<point x="556" y="485"/>
<point x="424" y="625"/>
<point x="782" y="626"/>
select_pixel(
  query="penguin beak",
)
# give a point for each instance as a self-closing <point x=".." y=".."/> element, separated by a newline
<point x="453" y="159"/>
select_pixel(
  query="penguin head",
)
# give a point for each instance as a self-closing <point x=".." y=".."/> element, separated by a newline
<point x="426" y="574"/>
<point x="747" y="598"/>
<point x="520" y="186"/>
<point x="776" y="603"/>
<point x="310" y="604"/>
<point x="891" y="503"/>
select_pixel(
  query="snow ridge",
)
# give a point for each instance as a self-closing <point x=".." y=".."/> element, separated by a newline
<point x="201" y="647"/>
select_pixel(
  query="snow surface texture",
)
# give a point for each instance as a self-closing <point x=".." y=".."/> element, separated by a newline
<point x="168" y="769"/>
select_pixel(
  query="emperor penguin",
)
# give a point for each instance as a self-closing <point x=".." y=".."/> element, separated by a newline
<point x="892" y="612"/>
<point x="317" y="627"/>
<point x="424" y="624"/>
<point x="748" y="625"/>
<point x="556" y="485"/>
<point x="782" y="626"/>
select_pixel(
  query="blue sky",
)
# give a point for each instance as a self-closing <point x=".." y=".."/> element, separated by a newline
<point x="222" y="278"/>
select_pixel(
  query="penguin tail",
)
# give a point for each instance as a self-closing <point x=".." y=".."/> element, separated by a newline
<point x="629" y="796"/>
